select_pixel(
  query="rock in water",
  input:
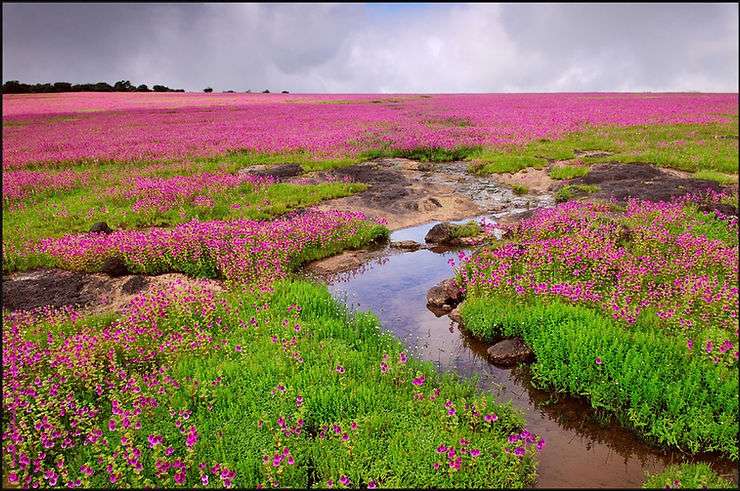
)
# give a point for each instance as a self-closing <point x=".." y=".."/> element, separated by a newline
<point x="510" y="352"/>
<point x="444" y="295"/>
<point x="455" y="316"/>
<point x="440" y="233"/>
<point x="101" y="228"/>
<point x="407" y="245"/>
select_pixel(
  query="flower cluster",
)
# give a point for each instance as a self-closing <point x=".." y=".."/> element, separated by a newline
<point x="240" y="250"/>
<point x="654" y="261"/>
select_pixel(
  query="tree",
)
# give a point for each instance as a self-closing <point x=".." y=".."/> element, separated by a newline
<point x="142" y="88"/>
<point x="208" y="90"/>
<point x="285" y="92"/>
<point x="62" y="87"/>
<point x="266" y="91"/>
<point x="160" y="88"/>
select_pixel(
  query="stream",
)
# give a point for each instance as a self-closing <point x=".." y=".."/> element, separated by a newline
<point x="579" y="451"/>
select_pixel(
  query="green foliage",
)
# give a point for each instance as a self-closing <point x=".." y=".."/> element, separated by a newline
<point x="423" y="154"/>
<point x="519" y="190"/>
<point x="720" y="177"/>
<point x="469" y="229"/>
<point x="570" y="191"/>
<point x="688" y="147"/>
<point x="568" y="339"/>
<point x="568" y="172"/>
<point x="689" y="476"/>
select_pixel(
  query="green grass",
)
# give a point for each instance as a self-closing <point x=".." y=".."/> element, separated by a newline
<point x="469" y="229"/>
<point x="568" y="172"/>
<point x="567" y="339"/>
<point x="570" y="191"/>
<point x="519" y="190"/>
<point x="720" y="177"/>
<point x="237" y="159"/>
<point x="423" y="154"/>
<point x="235" y="402"/>
<point x="688" y="476"/>
<point x="687" y="147"/>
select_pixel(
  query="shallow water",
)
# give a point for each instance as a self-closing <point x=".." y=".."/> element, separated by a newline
<point x="579" y="451"/>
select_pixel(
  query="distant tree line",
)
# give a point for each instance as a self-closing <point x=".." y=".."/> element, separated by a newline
<point x="16" y="87"/>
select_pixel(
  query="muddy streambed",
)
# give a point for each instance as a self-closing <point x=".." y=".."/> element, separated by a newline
<point x="579" y="452"/>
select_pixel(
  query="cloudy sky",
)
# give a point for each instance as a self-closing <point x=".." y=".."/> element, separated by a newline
<point x="437" y="48"/>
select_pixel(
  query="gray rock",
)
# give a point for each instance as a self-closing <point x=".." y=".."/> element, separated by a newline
<point x="282" y="171"/>
<point x="510" y="352"/>
<point x="101" y="228"/>
<point x="407" y="245"/>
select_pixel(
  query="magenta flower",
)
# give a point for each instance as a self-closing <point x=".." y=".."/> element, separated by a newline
<point x="344" y="480"/>
<point x="442" y="448"/>
<point x="418" y="381"/>
<point x="519" y="451"/>
<point x="340" y="369"/>
<point x="474" y="452"/>
<point x="490" y="418"/>
<point x="598" y="361"/>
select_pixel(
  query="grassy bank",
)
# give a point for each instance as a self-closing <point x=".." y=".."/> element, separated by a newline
<point x="634" y="308"/>
<point x="285" y="388"/>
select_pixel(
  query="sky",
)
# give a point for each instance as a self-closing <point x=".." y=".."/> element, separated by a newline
<point x="388" y="48"/>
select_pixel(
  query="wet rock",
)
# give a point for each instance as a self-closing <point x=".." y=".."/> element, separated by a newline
<point x="282" y="171"/>
<point x="455" y="316"/>
<point x="407" y="245"/>
<point x="101" y="227"/>
<point x="135" y="284"/>
<point x="510" y="352"/>
<point x="115" y="266"/>
<point x="444" y="296"/>
<point x="440" y="233"/>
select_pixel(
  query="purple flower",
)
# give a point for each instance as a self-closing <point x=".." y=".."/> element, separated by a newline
<point x="474" y="452"/>
<point x="541" y="444"/>
<point x="490" y="418"/>
<point x="709" y="347"/>
<point x="598" y="361"/>
<point x="442" y="448"/>
<point x="340" y="369"/>
<point x="402" y="357"/>
<point x="519" y="451"/>
<point x="204" y="479"/>
<point x="344" y="480"/>
<point x="298" y="401"/>
<point x="372" y="485"/>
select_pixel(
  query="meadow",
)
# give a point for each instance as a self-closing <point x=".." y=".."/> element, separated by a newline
<point x="248" y="375"/>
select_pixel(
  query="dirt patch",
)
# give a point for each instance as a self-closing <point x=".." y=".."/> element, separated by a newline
<point x="90" y="292"/>
<point x="535" y="180"/>
<point x="400" y="192"/>
<point x="644" y="181"/>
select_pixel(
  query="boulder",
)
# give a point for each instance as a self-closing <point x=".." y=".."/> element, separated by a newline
<point x="510" y="352"/>
<point x="444" y="295"/>
<point x="407" y="245"/>
<point x="440" y="233"/>
<point x="282" y="171"/>
<point x="101" y="228"/>
<point x="114" y="266"/>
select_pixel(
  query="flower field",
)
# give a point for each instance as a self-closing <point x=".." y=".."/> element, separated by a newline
<point x="244" y="374"/>
<point x="47" y="129"/>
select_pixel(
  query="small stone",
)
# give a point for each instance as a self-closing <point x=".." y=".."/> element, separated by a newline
<point x="408" y="245"/>
<point x="101" y="228"/>
<point x="510" y="352"/>
<point x="444" y="295"/>
<point x="440" y="233"/>
<point x="455" y="316"/>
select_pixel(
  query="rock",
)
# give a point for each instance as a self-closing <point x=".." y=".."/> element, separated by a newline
<point x="444" y="295"/>
<point x="510" y="352"/>
<point x="101" y="228"/>
<point x="135" y="284"/>
<point x="114" y="266"/>
<point x="425" y="166"/>
<point x="407" y="245"/>
<point x="440" y="233"/>
<point x="282" y="171"/>
<point x="427" y="204"/>
<point x="455" y="316"/>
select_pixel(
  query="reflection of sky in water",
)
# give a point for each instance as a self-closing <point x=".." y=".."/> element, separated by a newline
<point x="579" y="453"/>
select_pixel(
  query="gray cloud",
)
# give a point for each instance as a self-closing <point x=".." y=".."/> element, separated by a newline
<point x="368" y="48"/>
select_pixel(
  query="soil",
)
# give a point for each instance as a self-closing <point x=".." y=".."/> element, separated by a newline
<point x="644" y="181"/>
<point x="90" y="292"/>
<point x="399" y="192"/>
<point x="536" y="181"/>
